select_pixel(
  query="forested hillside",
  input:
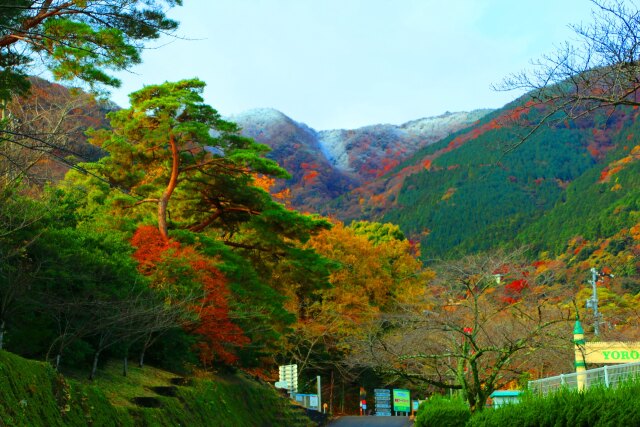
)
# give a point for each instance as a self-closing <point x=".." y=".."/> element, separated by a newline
<point x="469" y="193"/>
<point x="446" y="255"/>
<point x="326" y="164"/>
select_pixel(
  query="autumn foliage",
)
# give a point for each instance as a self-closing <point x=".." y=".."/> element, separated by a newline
<point x="150" y="247"/>
<point x="219" y="334"/>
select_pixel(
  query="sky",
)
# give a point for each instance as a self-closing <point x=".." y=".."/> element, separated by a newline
<point x="349" y="63"/>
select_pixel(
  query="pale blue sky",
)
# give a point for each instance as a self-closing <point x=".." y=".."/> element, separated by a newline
<point x="349" y="63"/>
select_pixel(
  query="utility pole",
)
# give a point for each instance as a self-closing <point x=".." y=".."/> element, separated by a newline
<point x="593" y="301"/>
<point x="319" y="394"/>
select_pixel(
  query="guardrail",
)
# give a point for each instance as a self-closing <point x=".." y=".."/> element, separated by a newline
<point x="608" y="376"/>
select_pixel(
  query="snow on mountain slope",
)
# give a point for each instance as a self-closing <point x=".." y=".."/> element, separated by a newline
<point x="326" y="164"/>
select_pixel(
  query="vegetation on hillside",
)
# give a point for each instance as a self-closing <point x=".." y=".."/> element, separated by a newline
<point x="33" y="395"/>
<point x="173" y="245"/>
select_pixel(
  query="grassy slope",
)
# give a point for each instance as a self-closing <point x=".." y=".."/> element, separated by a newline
<point x="32" y="394"/>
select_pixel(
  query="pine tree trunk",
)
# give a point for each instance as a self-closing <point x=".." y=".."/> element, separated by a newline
<point x="163" y="203"/>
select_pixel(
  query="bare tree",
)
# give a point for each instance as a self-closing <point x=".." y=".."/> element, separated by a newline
<point x="45" y="125"/>
<point x="470" y="333"/>
<point x="78" y="41"/>
<point x="599" y="70"/>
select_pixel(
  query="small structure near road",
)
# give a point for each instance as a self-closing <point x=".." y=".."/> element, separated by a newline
<point x="503" y="397"/>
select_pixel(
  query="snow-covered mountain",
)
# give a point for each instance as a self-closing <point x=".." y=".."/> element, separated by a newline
<point x="325" y="164"/>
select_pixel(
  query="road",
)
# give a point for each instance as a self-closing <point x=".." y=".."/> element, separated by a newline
<point x="372" y="421"/>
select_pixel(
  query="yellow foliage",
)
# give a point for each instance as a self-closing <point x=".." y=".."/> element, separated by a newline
<point x="371" y="278"/>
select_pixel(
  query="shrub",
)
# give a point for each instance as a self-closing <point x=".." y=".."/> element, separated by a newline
<point x="597" y="406"/>
<point x="443" y="412"/>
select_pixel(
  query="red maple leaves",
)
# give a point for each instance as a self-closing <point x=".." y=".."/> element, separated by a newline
<point x="220" y="336"/>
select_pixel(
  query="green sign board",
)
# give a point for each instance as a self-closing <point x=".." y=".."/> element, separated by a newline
<point x="401" y="400"/>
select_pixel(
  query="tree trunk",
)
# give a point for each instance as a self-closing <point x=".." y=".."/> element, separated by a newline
<point x="94" y="368"/>
<point x="145" y="346"/>
<point x="331" y="394"/>
<point x="141" y="360"/>
<point x="2" y="326"/>
<point x="125" y="366"/>
<point x="57" y="365"/>
<point x="163" y="203"/>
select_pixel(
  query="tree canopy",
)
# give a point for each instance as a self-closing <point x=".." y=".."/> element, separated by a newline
<point x="78" y="40"/>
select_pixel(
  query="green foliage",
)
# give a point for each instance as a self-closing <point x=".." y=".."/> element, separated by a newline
<point x="170" y="132"/>
<point x="79" y="40"/>
<point x="377" y="232"/>
<point x="474" y="196"/>
<point x="33" y="395"/>
<point x="439" y="411"/>
<point x="170" y="149"/>
<point x="597" y="406"/>
<point x="589" y="208"/>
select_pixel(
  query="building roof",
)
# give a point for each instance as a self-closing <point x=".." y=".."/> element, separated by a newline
<point x="505" y="393"/>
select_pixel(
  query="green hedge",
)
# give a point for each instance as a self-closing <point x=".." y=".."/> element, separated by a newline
<point x="598" y="406"/>
<point x="441" y="412"/>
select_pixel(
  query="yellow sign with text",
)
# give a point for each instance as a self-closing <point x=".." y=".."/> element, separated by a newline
<point x="612" y="352"/>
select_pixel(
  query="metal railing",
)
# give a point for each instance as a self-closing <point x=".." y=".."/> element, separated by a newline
<point x="608" y="376"/>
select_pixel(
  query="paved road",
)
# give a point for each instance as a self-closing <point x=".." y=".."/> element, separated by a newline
<point x="372" y="421"/>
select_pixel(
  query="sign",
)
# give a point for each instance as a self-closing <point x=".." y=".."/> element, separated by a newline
<point x="401" y="400"/>
<point x="382" y="402"/>
<point x="289" y="374"/>
<point x="416" y="405"/>
<point x="309" y="401"/>
<point x="612" y="352"/>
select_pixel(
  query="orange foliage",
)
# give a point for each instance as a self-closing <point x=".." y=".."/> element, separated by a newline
<point x="215" y="327"/>
<point x="310" y="177"/>
<point x="387" y="165"/>
<point x="450" y="192"/>
<point x="267" y="183"/>
<point x="264" y="182"/>
<point x="617" y="166"/>
<point x="150" y="247"/>
<point x="513" y="291"/>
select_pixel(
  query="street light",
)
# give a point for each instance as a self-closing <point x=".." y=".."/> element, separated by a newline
<point x="592" y="302"/>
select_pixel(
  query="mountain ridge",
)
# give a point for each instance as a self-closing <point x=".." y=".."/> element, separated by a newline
<point x="328" y="163"/>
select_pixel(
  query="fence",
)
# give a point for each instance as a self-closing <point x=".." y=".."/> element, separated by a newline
<point x="608" y="376"/>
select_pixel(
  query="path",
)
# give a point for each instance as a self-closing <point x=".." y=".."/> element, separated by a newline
<point x="372" y="421"/>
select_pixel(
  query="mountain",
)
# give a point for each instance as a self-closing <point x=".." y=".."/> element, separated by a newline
<point x="450" y="182"/>
<point x="327" y="164"/>
<point x="471" y="192"/>
<point x="372" y="151"/>
<point x="314" y="180"/>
